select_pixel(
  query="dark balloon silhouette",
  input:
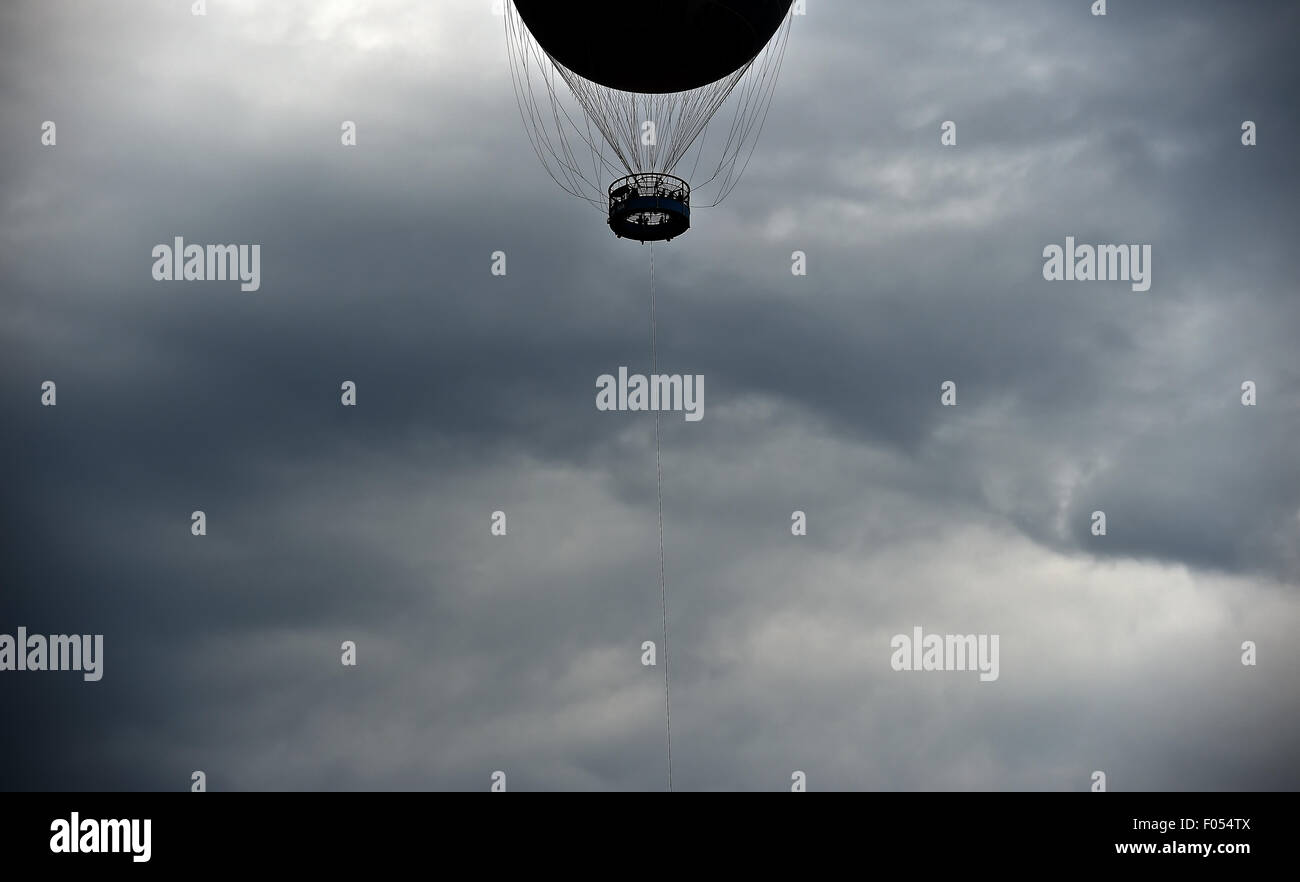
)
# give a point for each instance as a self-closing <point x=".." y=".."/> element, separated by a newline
<point x="654" y="45"/>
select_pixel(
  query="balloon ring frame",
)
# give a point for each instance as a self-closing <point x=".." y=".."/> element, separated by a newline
<point x="649" y="207"/>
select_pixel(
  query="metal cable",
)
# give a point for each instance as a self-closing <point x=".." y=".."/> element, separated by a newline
<point x="659" y="494"/>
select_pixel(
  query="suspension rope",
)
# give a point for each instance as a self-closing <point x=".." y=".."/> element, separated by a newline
<point x="659" y="494"/>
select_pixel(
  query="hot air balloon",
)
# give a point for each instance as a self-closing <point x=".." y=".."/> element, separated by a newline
<point x="626" y="89"/>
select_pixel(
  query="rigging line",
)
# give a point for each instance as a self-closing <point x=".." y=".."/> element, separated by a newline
<point x="521" y="64"/>
<point x="659" y="493"/>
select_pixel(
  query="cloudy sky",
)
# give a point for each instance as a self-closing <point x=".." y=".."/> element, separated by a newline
<point x="522" y="653"/>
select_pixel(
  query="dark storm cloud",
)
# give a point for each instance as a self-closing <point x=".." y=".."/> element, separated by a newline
<point x="476" y="394"/>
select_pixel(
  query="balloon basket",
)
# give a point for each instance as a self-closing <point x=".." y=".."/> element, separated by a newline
<point x="649" y="207"/>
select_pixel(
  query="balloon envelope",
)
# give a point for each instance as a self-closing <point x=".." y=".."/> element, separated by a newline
<point x="652" y="46"/>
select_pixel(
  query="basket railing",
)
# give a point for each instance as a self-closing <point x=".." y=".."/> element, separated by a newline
<point x="658" y="184"/>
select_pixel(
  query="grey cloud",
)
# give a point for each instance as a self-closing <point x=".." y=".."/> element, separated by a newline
<point x="476" y="394"/>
